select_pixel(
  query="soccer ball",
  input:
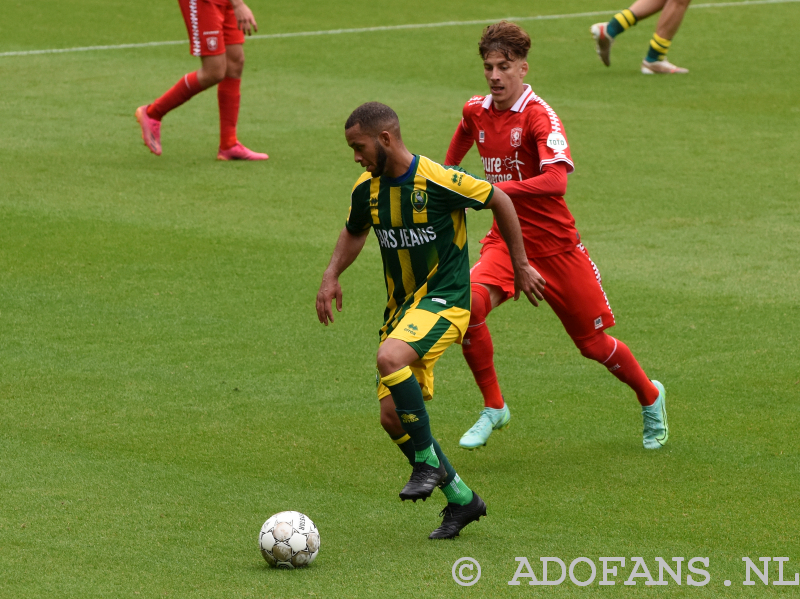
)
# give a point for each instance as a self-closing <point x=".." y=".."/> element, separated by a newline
<point x="289" y="540"/>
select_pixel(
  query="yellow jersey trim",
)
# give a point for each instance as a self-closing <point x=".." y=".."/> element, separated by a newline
<point x="461" y="183"/>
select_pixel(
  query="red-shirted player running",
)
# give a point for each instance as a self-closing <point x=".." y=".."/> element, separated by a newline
<point x="525" y="153"/>
<point x="216" y="34"/>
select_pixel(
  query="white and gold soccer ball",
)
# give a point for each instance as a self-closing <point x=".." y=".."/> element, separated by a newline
<point x="289" y="540"/>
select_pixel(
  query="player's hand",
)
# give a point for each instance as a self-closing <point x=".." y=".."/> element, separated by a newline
<point x="329" y="290"/>
<point x="528" y="281"/>
<point x="245" y="20"/>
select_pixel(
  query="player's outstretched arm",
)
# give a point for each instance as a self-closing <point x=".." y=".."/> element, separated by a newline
<point x="245" y="20"/>
<point x="459" y="146"/>
<point x="347" y="249"/>
<point x="552" y="182"/>
<point x="526" y="279"/>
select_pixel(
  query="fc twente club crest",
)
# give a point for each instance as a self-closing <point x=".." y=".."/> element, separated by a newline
<point x="516" y="137"/>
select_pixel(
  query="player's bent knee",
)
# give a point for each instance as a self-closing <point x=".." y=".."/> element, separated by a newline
<point x="235" y="61"/>
<point x="211" y="76"/>
<point x="213" y="70"/>
<point x="394" y="355"/>
<point x="597" y="348"/>
<point x="481" y="304"/>
<point x="477" y="316"/>
<point x="387" y="363"/>
<point x="235" y="68"/>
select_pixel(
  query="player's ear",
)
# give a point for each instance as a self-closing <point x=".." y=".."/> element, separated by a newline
<point x="385" y="138"/>
<point x="524" y="68"/>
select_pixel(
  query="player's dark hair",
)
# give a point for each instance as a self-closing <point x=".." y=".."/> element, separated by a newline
<point x="374" y="117"/>
<point x="507" y="38"/>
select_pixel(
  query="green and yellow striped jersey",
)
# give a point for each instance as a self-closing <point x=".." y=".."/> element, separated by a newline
<point x="421" y="227"/>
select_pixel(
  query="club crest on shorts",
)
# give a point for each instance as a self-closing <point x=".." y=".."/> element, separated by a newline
<point x="516" y="137"/>
<point x="419" y="199"/>
<point x="598" y="322"/>
<point x="211" y="42"/>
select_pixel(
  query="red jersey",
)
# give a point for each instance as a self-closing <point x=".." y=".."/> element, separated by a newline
<point x="517" y="145"/>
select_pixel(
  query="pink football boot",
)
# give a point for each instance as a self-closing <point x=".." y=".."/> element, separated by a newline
<point x="151" y="130"/>
<point x="662" y="67"/>
<point x="239" y="152"/>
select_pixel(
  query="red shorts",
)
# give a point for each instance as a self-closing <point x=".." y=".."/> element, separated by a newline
<point x="211" y="26"/>
<point x="573" y="290"/>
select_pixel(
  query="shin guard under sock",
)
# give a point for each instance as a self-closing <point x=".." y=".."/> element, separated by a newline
<point x="622" y="21"/>
<point x="406" y="445"/>
<point x="615" y="355"/>
<point x="478" y="349"/>
<point x="410" y="407"/>
<point x="228" y="98"/>
<point x="179" y="93"/>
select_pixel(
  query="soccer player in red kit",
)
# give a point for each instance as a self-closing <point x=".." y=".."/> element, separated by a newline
<point x="526" y="154"/>
<point x="216" y="34"/>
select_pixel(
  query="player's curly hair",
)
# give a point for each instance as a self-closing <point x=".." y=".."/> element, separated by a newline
<point x="507" y="38"/>
<point x="374" y="117"/>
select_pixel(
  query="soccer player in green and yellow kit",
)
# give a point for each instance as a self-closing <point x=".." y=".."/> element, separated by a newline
<point x="416" y="208"/>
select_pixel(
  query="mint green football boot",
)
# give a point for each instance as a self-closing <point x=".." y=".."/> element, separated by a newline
<point x="491" y="419"/>
<point x="656" y="429"/>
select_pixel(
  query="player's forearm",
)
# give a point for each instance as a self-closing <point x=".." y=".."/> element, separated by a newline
<point x="459" y="146"/>
<point x="508" y="223"/>
<point x="347" y="249"/>
<point x="236" y="3"/>
<point x="552" y="182"/>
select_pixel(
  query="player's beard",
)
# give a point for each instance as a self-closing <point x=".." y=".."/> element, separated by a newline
<point x="380" y="162"/>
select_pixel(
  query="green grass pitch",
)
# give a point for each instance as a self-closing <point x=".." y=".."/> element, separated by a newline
<point x="165" y="385"/>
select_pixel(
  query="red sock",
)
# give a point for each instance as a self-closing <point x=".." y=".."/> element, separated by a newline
<point x="615" y="355"/>
<point x="175" y="96"/>
<point x="228" y="98"/>
<point x="479" y="350"/>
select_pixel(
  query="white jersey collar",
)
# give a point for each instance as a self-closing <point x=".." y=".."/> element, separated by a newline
<point x="519" y="105"/>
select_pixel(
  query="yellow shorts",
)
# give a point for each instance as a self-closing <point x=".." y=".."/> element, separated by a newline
<point x="429" y="334"/>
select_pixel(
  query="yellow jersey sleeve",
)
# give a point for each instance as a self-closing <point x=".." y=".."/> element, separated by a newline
<point x="358" y="217"/>
<point x="467" y="191"/>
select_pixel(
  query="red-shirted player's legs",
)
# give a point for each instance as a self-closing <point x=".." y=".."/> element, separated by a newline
<point x="575" y="293"/>
<point x="615" y="355"/>
<point x="229" y="98"/>
<point x="479" y="350"/>
<point x="187" y="86"/>
<point x="619" y="360"/>
<point x="211" y="72"/>
<point x="215" y="37"/>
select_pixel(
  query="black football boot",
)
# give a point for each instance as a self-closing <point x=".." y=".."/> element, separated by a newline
<point x="424" y="479"/>
<point x="457" y="517"/>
